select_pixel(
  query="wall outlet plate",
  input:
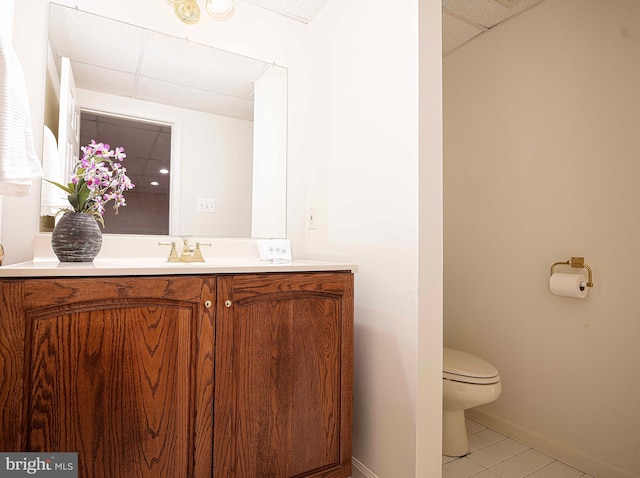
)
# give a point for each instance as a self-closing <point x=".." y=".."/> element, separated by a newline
<point x="274" y="249"/>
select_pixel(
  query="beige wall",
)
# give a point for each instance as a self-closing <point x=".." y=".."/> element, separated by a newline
<point x="542" y="163"/>
<point x="365" y="182"/>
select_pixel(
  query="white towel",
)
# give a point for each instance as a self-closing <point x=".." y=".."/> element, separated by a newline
<point x="53" y="198"/>
<point x="19" y="163"/>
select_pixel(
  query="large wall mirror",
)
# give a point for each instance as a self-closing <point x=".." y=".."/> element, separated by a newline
<point x="204" y="130"/>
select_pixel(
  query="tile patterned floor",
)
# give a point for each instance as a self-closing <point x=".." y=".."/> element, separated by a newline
<point x="496" y="456"/>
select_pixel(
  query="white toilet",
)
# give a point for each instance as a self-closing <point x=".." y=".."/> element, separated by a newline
<point x="467" y="382"/>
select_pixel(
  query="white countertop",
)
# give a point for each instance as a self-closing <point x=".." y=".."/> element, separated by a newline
<point x="123" y="255"/>
<point x="144" y="267"/>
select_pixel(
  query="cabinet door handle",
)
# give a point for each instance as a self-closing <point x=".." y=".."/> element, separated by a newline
<point x="207" y="303"/>
<point x="228" y="303"/>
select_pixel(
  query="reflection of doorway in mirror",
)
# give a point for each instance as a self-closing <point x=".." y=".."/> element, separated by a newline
<point x="148" y="162"/>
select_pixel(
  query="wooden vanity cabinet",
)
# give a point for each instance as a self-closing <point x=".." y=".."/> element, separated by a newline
<point x="246" y="375"/>
<point x="118" y="369"/>
<point x="283" y="374"/>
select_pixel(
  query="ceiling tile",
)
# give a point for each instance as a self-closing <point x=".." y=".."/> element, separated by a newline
<point x="195" y="99"/>
<point x="199" y="66"/>
<point x="131" y="60"/>
<point x="487" y="13"/>
<point x="455" y="32"/>
<point x="81" y="37"/>
<point x="96" y="78"/>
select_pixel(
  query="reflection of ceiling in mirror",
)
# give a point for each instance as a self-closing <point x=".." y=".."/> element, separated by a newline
<point x="152" y="66"/>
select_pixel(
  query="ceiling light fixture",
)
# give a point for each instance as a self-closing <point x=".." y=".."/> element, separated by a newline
<point x="219" y="9"/>
<point x="189" y="12"/>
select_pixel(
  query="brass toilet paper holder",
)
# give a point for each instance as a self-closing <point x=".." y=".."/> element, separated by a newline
<point x="576" y="262"/>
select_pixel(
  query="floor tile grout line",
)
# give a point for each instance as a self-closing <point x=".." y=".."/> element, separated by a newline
<point x="452" y="460"/>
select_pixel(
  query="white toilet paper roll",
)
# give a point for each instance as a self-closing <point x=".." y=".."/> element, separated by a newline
<point x="569" y="285"/>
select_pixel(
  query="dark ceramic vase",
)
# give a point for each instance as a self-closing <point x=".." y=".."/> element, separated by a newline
<point x="76" y="238"/>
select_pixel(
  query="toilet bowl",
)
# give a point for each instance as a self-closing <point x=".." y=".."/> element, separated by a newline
<point x="467" y="381"/>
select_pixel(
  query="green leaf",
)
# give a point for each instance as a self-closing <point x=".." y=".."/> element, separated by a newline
<point x="73" y="200"/>
<point x="83" y="195"/>
<point x="61" y="186"/>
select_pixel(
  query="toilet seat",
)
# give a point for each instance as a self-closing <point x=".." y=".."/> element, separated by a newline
<point x="462" y="367"/>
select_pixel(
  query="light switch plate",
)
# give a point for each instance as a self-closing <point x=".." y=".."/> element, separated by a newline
<point x="274" y="249"/>
<point x="206" y="205"/>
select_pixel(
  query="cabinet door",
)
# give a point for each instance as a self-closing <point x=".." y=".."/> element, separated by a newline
<point x="120" y="370"/>
<point x="283" y="391"/>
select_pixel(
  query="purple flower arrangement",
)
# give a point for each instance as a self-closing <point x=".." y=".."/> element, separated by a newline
<point x="97" y="178"/>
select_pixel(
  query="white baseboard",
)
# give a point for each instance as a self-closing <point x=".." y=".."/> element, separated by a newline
<point x="585" y="463"/>
<point x="361" y="471"/>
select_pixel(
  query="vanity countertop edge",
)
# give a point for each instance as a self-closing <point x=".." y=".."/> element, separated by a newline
<point x="151" y="267"/>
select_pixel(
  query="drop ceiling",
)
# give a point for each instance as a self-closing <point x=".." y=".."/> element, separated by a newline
<point x="138" y="65"/>
<point x="464" y="20"/>
<point x="152" y="66"/>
